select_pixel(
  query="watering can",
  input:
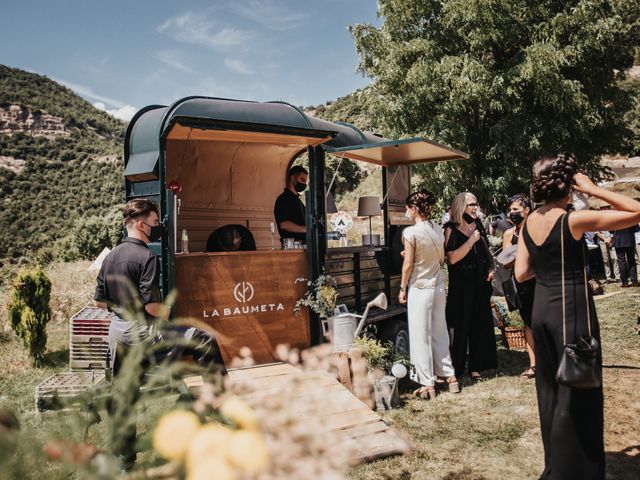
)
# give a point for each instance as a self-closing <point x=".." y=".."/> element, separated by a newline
<point x="343" y="329"/>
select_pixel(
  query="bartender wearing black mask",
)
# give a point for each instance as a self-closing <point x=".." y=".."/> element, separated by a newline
<point x="289" y="210"/>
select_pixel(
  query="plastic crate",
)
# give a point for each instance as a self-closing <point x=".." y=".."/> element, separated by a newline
<point x="65" y="385"/>
<point x="89" y="339"/>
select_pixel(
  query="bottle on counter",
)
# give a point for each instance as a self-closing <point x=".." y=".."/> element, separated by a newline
<point x="185" y="241"/>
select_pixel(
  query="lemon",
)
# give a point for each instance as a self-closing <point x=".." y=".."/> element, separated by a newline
<point x="212" y="440"/>
<point x="173" y="433"/>
<point x="248" y="452"/>
<point x="240" y="413"/>
<point x="215" y="467"/>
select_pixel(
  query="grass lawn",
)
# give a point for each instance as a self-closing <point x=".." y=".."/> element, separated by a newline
<point x="489" y="431"/>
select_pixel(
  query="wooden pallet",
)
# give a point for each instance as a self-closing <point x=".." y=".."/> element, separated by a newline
<point x="359" y="427"/>
<point x="65" y="385"/>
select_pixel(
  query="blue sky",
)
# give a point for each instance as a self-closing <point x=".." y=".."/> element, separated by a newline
<point x="123" y="55"/>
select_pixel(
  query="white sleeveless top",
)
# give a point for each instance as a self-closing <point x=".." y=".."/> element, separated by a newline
<point x="428" y="241"/>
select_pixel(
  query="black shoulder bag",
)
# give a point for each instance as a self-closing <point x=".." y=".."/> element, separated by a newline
<point x="511" y="295"/>
<point x="579" y="366"/>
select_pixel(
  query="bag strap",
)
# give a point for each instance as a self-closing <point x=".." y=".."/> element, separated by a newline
<point x="586" y="293"/>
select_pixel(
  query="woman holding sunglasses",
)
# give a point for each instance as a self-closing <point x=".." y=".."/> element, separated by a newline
<point x="468" y="309"/>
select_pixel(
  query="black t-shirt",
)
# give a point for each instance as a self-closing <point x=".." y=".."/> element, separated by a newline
<point x="129" y="277"/>
<point x="289" y="207"/>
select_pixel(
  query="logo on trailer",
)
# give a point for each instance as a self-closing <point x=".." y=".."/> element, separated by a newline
<point x="243" y="292"/>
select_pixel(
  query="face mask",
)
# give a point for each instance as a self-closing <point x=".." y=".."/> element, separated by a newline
<point x="468" y="218"/>
<point x="300" y="187"/>
<point x="155" y="234"/>
<point x="516" y="217"/>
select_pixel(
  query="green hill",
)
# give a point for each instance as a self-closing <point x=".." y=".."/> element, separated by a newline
<point x="60" y="170"/>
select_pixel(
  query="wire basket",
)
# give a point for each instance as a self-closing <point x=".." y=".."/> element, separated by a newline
<point x="515" y="338"/>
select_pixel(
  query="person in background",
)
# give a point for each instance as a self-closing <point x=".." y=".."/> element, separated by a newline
<point x="289" y="210"/>
<point x="423" y="277"/>
<point x="608" y="255"/>
<point x="500" y="225"/>
<point x="624" y="242"/>
<point x="593" y="252"/>
<point x="571" y="419"/>
<point x="468" y="308"/>
<point x="484" y="220"/>
<point x="446" y="216"/>
<point x="519" y="210"/>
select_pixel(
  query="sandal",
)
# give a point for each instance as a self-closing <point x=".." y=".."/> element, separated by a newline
<point x="477" y="377"/>
<point x="454" y="386"/>
<point x="529" y="372"/>
<point x="426" y="393"/>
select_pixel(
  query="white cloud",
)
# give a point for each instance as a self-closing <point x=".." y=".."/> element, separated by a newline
<point x="199" y="30"/>
<point x="238" y="66"/>
<point x="270" y="14"/>
<point x="85" y="91"/>
<point x="124" y="113"/>
<point x="120" y="110"/>
<point x="172" y="58"/>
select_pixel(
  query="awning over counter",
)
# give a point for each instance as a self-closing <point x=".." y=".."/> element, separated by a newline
<point x="399" y="152"/>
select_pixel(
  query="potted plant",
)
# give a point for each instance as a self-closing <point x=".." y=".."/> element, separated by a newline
<point x="386" y="366"/>
<point x="320" y="296"/>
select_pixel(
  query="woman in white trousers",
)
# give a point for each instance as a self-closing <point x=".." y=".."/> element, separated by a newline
<point x="422" y="276"/>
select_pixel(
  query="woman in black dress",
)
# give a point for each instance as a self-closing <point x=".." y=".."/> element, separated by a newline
<point x="571" y="420"/>
<point x="468" y="308"/>
<point x="519" y="209"/>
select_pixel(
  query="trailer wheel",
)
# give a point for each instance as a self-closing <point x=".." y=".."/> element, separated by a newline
<point x="398" y="334"/>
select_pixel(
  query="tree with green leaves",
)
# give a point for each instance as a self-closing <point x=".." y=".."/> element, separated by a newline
<point x="504" y="80"/>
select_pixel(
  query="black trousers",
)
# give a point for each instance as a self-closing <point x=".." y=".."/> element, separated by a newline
<point x="627" y="264"/>
<point x="469" y="315"/>
<point x="571" y="420"/>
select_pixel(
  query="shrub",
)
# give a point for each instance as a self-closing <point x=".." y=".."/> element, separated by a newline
<point x="29" y="310"/>
<point x="92" y="234"/>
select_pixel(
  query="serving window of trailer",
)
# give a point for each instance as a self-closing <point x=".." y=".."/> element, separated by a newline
<point x="230" y="179"/>
<point x="369" y="266"/>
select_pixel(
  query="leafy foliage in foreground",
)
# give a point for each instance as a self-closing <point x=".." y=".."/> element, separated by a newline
<point x="503" y="80"/>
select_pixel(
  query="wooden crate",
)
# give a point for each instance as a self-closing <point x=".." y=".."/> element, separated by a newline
<point x="89" y="339"/>
<point x="66" y="385"/>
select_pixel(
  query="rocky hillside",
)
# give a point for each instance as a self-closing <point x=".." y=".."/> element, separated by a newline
<point x="60" y="170"/>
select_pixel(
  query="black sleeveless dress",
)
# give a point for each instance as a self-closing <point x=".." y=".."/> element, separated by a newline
<point x="571" y="420"/>
<point x="468" y="307"/>
<point x="526" y="291"/>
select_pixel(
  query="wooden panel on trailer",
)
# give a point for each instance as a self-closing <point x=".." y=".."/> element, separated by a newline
<point x="360" y="429"/>
<point x="201" y="220"/>
<point x="247" y="297"/>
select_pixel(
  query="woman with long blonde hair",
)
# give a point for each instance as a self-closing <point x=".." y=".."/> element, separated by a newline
<point x="469" y="298"/>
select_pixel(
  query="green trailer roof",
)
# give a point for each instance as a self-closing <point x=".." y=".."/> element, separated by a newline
<point x="150" y="125"/>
